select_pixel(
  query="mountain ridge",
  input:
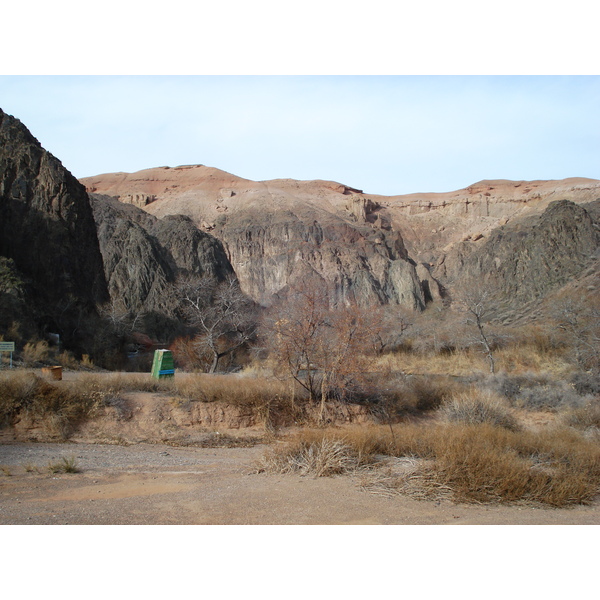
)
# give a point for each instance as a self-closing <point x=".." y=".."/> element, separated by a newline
<point x="267" y="221"/>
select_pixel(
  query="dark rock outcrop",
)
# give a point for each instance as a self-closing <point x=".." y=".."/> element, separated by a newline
<point x="522" y="262"/>
<point x="48" y="230"/>
<point x="144" y="256"/>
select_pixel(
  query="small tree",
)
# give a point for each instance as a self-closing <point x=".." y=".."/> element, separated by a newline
<point x="324" y="349"/>
<point x="387" y="326"/>
<point x="291" y="332"/>
<point x="579" y="321"/>
<point x="222" y="315"/>
<point x="476" y="303"/>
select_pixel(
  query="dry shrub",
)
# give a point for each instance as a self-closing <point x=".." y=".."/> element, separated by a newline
<point x="29" y="397"/>
<point x="317" y="455"/>
<point x="35" y="352"/>
<point x="16" y="388"/>
<point x="532" y="391"/>
<point x="586" y="383"/>
<point x="67" y="359"/>
<point x="86" y="362"/>
<point x="551" y="397"/>
<point x="60" y="407"/>
<point x="108" y="390"/>
<point x="464" y="462"/>
<point x="185" y="353"/>
<point x="486" y="463"/>
<point x="584" y="417"/>
<point x="431" y="392"/>
<point x="475" y="407"/>
<point x="393" y="399"/>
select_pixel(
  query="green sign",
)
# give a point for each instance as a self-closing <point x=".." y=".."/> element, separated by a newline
<point x="163" y="366"/>
<point x="7" y="346"/>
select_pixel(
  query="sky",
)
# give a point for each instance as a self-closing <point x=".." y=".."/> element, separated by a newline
<point x="382" y="134"/>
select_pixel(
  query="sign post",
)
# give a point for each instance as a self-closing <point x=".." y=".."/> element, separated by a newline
<point x="8" y="347"/>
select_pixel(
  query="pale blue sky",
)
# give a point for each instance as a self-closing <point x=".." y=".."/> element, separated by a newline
<point x="383" y="134"/>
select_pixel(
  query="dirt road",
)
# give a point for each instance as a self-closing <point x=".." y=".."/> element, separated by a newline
<point x="159" y="484"/>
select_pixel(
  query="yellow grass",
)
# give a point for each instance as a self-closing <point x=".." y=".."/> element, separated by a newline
<point x="470" y="462"/>
<point x="520" y="358"/>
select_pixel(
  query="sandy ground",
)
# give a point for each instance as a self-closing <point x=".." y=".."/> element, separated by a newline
<point x="158" y="484"/>
<point x="154" y="483"/>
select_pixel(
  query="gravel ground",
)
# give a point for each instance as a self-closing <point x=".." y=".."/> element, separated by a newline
<point x="158" y="484"/>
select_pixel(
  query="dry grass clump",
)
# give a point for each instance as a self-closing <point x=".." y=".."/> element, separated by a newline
<point x="483" y="463"/>
<point x="585" y="417"/>
<point x="121" y="382"/>
<point x="455" y="363"/>
<point x="108" y="390"/>
<point x="272" y="400"/>
<point x="473" y="462"/>
<point x="34" y="353"/>
<point x="476" y="407"/>
<point x="226" y="440"/>
<point x="320" y="456"/>
<point x="230" y="389"/>
<point x="64" y="465"/>
<point x="528" y="357"/>
<point x="542" y="392"/>
<point x="29" y="397"/>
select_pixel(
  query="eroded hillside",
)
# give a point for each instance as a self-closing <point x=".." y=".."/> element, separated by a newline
<point x="407" y="250"/>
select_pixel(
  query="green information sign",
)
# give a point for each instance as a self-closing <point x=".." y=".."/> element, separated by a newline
<point x="7" y="347"/>
<point x="162" y="365"/>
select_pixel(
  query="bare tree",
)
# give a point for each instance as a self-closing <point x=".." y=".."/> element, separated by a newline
<point x="292" y="330"/>
<point x="476" y="303"/>
<point x="387" y="326"/>
<point x="122" y="320"/>
<point x="221" y="313"/>
<point x="324" y="349"/>
<point x="579" y="321"/>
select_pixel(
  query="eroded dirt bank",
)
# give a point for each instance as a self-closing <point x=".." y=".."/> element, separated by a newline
<point x="159" y="484"/>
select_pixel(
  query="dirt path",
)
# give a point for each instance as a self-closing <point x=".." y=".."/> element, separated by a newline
<point x="157" y="484"/>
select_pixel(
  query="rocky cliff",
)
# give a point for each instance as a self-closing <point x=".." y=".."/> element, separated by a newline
<point x="47" y="230"/>
<point x="144" y="256"/>
<point x="409" y="249"/>
<point x="527" y="259"/>
<point x="275" y="232"/>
